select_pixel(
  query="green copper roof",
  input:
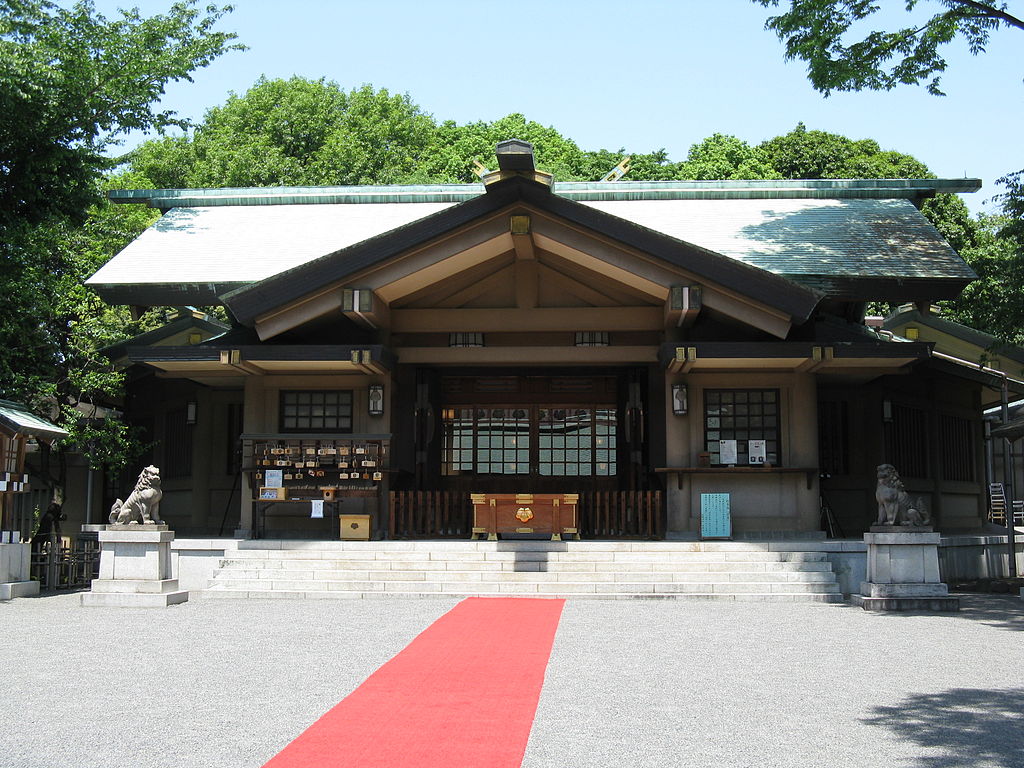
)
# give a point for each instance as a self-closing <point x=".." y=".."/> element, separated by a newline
<point x="16" y="419"/>
<point x="912" y="189"/>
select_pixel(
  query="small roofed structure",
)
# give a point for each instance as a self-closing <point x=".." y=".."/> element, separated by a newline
<point x="17" y="426"/>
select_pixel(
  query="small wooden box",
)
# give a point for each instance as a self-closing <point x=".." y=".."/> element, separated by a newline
<point x="273" y="494"/>
<point x="355" y="527"/>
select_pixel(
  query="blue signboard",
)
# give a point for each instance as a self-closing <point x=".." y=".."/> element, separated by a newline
<point x="715" y="519"/>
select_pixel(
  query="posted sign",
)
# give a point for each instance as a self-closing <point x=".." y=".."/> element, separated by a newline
<point x="756" y="453"/>
<point x="715" y="517"/>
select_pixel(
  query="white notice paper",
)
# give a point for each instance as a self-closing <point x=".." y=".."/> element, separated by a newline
<point x="316" y="508"/>
<point x="756" y="451"/>
<point x="274" y="478"/>
<point x="727" y="451"/>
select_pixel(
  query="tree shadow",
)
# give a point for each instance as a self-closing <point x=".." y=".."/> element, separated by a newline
<point x="1000" y="611"/>
<point x="970" y="726"/>
<point x="997" y="611"/>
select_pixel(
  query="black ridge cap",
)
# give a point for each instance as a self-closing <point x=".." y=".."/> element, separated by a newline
<point x="754" y="282"/>
<point x="250" y="301"/>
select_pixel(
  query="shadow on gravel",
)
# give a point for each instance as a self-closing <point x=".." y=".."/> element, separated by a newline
<point x="997" y="611"/>
<point x="972" y="726"/>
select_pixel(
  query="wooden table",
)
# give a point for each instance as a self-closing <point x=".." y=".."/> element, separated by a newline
<point x="548" y="513"/>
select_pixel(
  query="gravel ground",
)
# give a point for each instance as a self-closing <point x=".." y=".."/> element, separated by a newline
<point x="631" y="683"/>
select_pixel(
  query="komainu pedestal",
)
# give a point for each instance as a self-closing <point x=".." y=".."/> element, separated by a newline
<point x="903" y="571"/>
<point x="135" y="569"/>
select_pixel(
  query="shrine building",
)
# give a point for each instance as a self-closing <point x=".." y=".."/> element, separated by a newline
<point x="391" y="350"/>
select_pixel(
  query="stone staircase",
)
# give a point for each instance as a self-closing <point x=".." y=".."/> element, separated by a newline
<point x="748" y="571"/>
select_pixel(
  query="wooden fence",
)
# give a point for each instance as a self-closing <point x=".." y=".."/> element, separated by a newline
<point x="602" y="515"/>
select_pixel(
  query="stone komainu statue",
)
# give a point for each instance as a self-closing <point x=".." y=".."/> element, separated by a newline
<point x="894" y="505"/>
<point x="143" y="504"/>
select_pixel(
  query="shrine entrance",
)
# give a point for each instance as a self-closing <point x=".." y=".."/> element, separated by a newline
<point x="541" y="434"/>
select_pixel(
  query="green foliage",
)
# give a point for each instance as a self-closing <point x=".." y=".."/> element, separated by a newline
<point x="726" y="157"/>
<point x="994" y="303"/>
<point x="815" y="31"/>
<point x="71" y="83"/>
<point x="294" y="132"/>
<point x="803" y="154"/>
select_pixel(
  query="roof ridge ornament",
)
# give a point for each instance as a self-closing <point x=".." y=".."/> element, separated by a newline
<point x="515" y="158"/>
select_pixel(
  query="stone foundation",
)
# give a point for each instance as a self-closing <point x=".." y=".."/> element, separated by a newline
<point x="135" y="569"/>
<point x="903" y="572"/>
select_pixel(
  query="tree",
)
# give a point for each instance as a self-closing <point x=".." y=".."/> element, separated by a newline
<point x="71" y="83"/>
<point x="815" y="31"/>
<point x="726" y="157"/>
<point x="994" y="302"/>
<point x="295" y="132"/>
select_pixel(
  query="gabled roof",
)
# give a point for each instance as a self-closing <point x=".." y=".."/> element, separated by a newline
<point x="852" y="239"/>
<point x="184" y="323"/>
<point x="984" y="341"/>
<point x="250" y="301"/>
<point x="16" y="419"/>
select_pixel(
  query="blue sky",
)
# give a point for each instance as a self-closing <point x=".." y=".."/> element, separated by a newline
<point x="641" y="74"/>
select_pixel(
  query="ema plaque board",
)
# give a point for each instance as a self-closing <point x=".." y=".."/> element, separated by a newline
<point x="715" y="518"/>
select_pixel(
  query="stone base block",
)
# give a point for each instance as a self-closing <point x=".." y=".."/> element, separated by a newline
<point x="906" y="603"/>
<point x="13" y="589"/>
<point x="133" y="599"/>
<point x="135" y="586"/>
<point x="927" y="591"/>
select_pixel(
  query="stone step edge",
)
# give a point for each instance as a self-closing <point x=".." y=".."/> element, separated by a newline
<point x="519" y="587"/>
<point x="750" y="597"/>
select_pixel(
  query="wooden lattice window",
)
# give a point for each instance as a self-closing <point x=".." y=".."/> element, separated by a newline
<point x="906" y="440"/>
<point x="957" y="440"/>
<point x="177" y="444"/>
<point x="551" y="441"/>
<point x="316" y="410"/>
<point x="742" y="415"/>
<point x="834" y="437"/>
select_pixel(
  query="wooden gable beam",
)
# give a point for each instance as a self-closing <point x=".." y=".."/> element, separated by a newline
<point x="683" y="306"/>
<point x="364" y="308"/>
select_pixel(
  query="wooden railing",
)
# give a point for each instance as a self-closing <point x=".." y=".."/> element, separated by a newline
<point x="430" y="515"/>
<point x="602" y="515"/>
<point x="622" y="515"/>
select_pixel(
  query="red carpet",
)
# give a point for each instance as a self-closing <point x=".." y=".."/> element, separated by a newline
<point x="461" y="695"/>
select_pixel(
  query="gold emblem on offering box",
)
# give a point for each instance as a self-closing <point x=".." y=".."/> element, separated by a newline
<point x="525" y="514"/>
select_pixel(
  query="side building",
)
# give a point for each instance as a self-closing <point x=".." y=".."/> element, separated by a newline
<point x="394" y="349"/>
